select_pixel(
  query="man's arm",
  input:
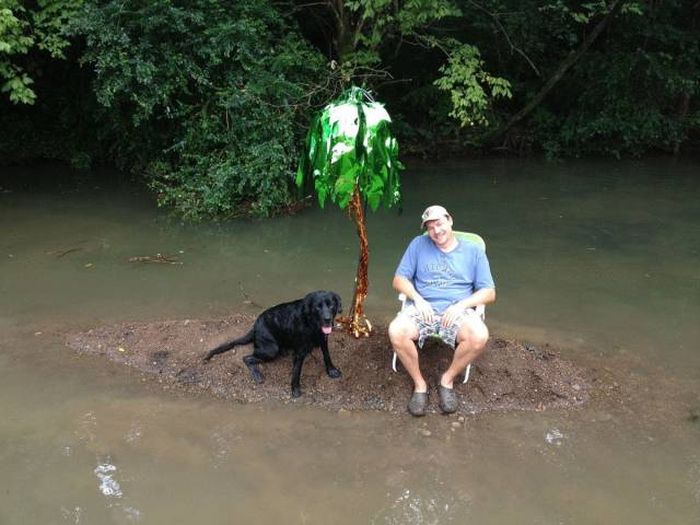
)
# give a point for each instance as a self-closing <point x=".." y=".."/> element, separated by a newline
<point x="403" y="285"/>
<point x="482" y="296"/>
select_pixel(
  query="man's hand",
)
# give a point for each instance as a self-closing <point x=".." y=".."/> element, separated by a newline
<point x="451" y="314"/>
<point x="424" y="309"/>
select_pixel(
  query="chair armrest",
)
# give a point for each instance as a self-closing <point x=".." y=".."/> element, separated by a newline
<point x="402" y="300"/>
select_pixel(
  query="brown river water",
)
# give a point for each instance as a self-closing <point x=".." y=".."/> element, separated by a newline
<point x="599" y="259"/>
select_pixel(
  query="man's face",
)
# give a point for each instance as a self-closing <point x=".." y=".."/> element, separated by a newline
<point x="440" y="231"/>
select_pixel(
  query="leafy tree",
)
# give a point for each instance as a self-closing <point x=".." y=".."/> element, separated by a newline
<point x="608" y="13"/>
<point x="354" y="32"/>
<point x="352" y="159"/>
<point x="364" y="32"/>
<point x="472" y="90"/>
<point x="25" y="27"/>
<point x="204" y="97"/>
<point x="642" y="86"/>
<point x="617" y="77"/>
<point x="209" y="100"/>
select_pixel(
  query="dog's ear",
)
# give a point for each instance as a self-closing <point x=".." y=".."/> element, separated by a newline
<point x="307" y="304"/>
<point x="338" y="303"/>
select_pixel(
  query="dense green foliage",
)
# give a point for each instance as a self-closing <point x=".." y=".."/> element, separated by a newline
<point x="205" y="96"/>
<point x="369" y="37"/>
<point x="633" y="93"/>
<point x="471" y="88"/>
<point x="631" y="90"/>
<point x="208" y="101"/>
<point x="27" y="27"/>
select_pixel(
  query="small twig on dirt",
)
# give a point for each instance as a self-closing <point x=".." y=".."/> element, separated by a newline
<point x="158" y="258"/>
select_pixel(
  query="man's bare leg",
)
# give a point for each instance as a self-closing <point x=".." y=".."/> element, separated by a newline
<point x="471" y="341"/>
<point x="402" y="334"/>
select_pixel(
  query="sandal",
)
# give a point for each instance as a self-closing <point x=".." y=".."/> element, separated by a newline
<point x="417" y="404"/>
<point x="448" y="399"/>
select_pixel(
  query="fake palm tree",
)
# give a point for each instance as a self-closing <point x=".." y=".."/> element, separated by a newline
<point x="352" y="158"/>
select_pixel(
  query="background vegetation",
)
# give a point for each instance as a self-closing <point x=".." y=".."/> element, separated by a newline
<point x="208" y="101"/>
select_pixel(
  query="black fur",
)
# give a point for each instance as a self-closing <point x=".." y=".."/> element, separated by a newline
<point x="295" y="326"/>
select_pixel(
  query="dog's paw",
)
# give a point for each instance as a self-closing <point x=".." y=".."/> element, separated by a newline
<point x="296" y="392"/>
<point x="334" y="373"/>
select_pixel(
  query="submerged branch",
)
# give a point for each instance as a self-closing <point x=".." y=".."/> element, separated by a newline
<point x="158" y="258"/>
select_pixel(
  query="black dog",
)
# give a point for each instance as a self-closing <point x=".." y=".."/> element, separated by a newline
<point x="299" y="326"/>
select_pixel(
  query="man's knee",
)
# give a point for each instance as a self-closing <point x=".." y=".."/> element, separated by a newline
<point x="475" y="333"/>
<point x="400" y="330"/>
<point x="480" y="338"/>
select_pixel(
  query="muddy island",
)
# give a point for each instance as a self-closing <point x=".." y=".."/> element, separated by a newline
<point x="509" y="375"/>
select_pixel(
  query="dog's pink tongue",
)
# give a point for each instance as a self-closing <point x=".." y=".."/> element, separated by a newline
<point x="327" y="329"/>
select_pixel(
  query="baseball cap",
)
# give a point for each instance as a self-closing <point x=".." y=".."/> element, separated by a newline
<point x="432" y="213"/>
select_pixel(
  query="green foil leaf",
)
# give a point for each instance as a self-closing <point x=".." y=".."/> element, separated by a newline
<point x="350" y="146"/>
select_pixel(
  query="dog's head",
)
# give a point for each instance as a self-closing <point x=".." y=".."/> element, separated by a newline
<point x="321" y="308"/>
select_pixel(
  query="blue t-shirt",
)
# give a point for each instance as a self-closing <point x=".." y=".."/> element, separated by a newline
<point x="445" y="278"/>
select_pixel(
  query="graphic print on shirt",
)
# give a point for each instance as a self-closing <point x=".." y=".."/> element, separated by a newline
<point x="441" y="273"/>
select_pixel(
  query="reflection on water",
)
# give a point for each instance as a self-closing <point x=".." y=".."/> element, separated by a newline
<point x="554" y="437"/>
<point x="438" y="504"/>
<point x="600" y="259"/>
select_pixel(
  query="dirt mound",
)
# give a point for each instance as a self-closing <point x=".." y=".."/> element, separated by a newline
<point x="510" y="375"/>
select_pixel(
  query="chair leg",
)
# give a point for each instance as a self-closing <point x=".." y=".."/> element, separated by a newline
<point x="466" y="373"/>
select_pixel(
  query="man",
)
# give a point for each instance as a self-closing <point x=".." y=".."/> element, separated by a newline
<point x="443" y="279"/>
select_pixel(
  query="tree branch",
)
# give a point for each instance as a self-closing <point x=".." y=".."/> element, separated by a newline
<point x="564" y="66"/>
<point x="505" y="34"/>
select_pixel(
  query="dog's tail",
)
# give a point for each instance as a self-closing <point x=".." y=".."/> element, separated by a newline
<point x="224" y="347"/>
